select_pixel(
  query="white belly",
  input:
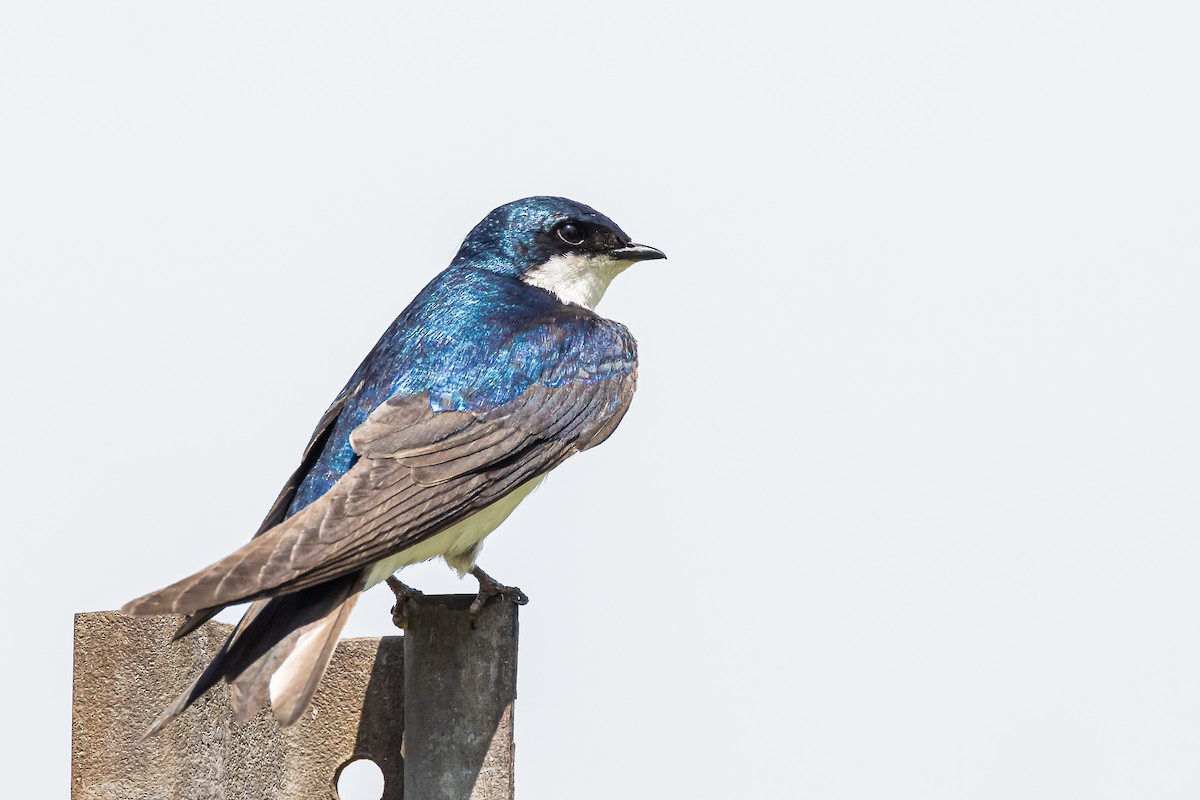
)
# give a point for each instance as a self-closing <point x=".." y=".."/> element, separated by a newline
<point x="458" y="538"/>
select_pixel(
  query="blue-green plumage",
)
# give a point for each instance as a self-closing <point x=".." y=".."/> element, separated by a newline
<point x="477" y="336"/>
<point x="474" y="339"/>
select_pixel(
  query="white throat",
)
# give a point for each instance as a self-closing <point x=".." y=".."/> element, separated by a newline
<point x="577" y="277"/>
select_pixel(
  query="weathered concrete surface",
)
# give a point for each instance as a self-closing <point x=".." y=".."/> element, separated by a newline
<point x="126" y="672"/>
<point x="459" y="686"/>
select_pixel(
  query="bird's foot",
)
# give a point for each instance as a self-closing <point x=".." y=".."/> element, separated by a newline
<point x="403" y="593"/>
<point x="489" y="587"/>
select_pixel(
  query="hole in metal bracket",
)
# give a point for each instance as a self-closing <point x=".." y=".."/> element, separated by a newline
<point x="360" y="778"/>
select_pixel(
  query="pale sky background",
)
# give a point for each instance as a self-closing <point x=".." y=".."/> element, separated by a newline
<point x="907" y="503"/>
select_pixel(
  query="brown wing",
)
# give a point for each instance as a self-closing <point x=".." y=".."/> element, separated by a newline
<point x="418" y="473"/>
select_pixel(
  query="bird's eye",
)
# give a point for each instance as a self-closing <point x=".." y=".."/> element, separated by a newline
<point x="571" y="233"/>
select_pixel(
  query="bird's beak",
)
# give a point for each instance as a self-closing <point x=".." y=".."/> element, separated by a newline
<point x="637" y="252"/>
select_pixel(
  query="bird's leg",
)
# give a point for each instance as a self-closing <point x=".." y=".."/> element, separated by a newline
<point x="489" y="587"/>
<point x="403" y="594"/>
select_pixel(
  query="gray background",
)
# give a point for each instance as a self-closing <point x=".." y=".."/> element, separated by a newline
<point x="907" y="503"/>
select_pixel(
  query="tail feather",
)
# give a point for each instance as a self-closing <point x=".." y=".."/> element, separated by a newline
<point x="294" y="633"/>
<point x="292" y="685"/>
<point x="253" y="686"/>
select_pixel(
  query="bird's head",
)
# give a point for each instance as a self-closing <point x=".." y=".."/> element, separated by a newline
<point x="564" y="247"/>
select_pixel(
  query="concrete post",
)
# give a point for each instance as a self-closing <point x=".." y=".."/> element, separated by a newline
<point x="459" y="688"/>
<point x="127" y="671"/>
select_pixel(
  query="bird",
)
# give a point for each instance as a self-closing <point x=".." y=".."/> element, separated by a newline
<point x="496" y="372"/>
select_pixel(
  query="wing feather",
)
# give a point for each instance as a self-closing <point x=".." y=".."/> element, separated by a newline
<point x="419" y="471"/>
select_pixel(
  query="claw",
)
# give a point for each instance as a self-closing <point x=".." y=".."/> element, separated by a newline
<point x="489" y="587"/>
<point x="403" y="594"/>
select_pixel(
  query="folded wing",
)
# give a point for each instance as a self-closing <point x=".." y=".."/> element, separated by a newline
<point x="418" y="472"/>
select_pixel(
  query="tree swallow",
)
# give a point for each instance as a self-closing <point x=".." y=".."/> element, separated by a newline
<point x="496" y="373"/>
